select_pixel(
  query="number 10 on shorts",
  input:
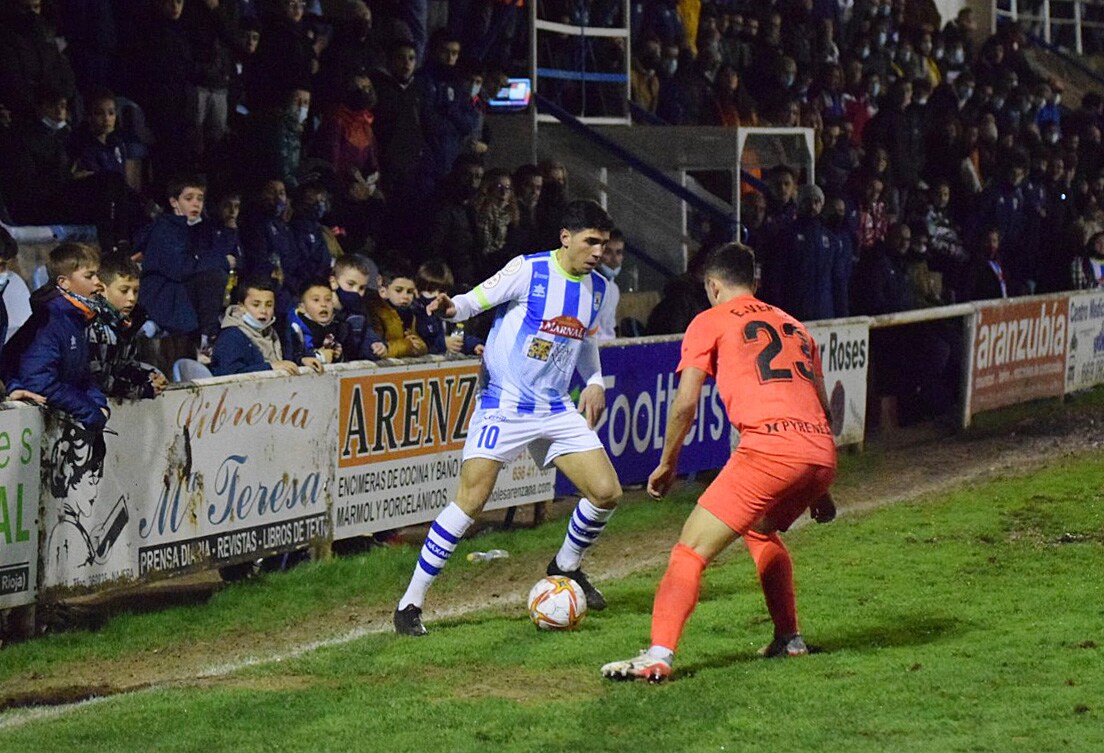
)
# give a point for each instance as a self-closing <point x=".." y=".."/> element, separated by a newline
<point x="488" y="437"/>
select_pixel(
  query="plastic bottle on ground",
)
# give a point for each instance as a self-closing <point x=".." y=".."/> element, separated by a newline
<point x="493" y="554"/>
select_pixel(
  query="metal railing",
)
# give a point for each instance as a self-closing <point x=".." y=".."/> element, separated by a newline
<point x="1076" y="25"/>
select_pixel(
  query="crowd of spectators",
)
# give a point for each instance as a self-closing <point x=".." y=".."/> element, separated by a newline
<point x="232" y="146"/>
<point x="946" y="170"/>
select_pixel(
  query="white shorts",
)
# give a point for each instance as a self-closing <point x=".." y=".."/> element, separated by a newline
<point x="503" y="434"/>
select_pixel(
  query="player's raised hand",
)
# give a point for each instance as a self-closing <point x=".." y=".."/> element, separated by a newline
<point x="592" y="401"/>
<point x="824" y="509"/>
<point x="661" y="481"/>
<point x="441" y="306"/>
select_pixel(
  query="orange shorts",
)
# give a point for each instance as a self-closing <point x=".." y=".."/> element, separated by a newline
<point x="753" y="485"/>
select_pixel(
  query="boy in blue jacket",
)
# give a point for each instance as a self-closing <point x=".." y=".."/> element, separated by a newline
<point x="183" y="272"/>
<point x="49" y="354"/>
<point x="248" y="341"/>
<point x="312" y="330"/>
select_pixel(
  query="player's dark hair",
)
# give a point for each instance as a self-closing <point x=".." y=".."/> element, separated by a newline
<point x="584" y="214"/>
<point x="734" y="263"/>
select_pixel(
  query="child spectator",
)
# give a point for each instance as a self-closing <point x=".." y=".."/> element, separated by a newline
<point x="96" y="146"/>
<point x="228" y="239"/>
<point x="183" y="272"/>
<point x="434" y="277"/>
<point x="268" y="242"/>
<point x="350" y="279"/>
<point x="50" y="191"/>
<point x="391" y="315"/>
<point x="312" y="254"/>
<point x="49" y="354"/>
<point x="312" y="330"/>
<point x="248" y="341"/>
<point x="113" y="336"/>
<point x="15" y="298"/>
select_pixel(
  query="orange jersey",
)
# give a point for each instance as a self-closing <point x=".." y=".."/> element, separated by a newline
<point x="766" y="366"/>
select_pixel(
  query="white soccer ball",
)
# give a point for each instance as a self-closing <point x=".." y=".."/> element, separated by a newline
<point x="556" y="603"/>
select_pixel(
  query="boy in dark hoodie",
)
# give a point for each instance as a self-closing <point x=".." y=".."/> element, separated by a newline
<point x="248" y="341"/>
<point x="49" y="354"/>
<point x="312" y="330"/>
<point x="183" y="272"/>
<point x="390" y="313"/>
<point x="352" y="275"/>
<point x="435" y="277"/>
<point x="113" y="336"/>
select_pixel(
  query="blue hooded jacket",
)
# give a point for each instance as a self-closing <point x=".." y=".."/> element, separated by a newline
<point x="173" y="252"/>
<point x="49" y="356"/>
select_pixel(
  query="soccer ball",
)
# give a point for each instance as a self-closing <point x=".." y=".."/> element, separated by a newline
<point x="556" y="603"/>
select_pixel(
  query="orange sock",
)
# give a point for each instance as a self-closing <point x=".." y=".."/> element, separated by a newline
<point x="775" y="567"/>
<point x="676" y="596"/>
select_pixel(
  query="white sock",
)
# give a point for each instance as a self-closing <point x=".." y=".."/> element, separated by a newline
<point x="445" y="533"/>
<point x="583" y="529"/>
<point x="662" y="652"/>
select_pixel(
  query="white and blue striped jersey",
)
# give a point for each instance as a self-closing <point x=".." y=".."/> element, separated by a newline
<point x="543" y="332"/>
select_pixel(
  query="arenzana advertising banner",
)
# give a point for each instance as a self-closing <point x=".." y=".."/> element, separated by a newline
<point x="1019" y="352"/>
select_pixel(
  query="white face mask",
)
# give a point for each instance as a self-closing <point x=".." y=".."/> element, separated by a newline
<point x="194" y="220"/>
<point x="475" y="90"/>
<point x="255" y="323"/>
<point x="53" y="125"/>
<point x="301" y="114"/>
<point x="609" y="272"/>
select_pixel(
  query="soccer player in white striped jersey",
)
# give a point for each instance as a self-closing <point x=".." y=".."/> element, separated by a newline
<point x="544" y="330"/>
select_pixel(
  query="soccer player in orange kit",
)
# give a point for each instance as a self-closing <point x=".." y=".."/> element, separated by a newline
<point x="769" y="376"/>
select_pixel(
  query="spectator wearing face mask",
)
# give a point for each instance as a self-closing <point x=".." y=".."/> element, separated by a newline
<point x="346" y="138"/>
<point x="1001" y="206"/>
<point x="402" y="142"/>
<point x="929" y="53"/>
<point x="183" y="272"/>
<point x="958" y="34"/>
<point x="43" y="185"/>
<point x="612" y="257"/>
<point x="312" y="258"/>
<point x="275" y="138"/>
<point x="447" y="112"/>
<point x="645" y="74"/>
<point x="898" y="129"/>
<point x="268" y="243"/>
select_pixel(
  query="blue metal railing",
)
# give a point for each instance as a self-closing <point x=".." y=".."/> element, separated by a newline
<point x="1067" y="58"/>
<point x="635" y="162"/>
<point x="641" y="115"/>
